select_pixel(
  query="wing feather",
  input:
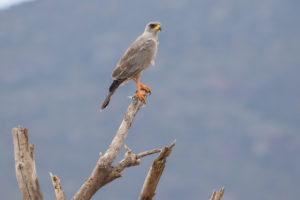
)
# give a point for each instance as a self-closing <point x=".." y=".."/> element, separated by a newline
<point x="136" y="59"/>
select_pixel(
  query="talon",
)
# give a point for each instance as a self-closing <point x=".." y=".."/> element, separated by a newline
<point x="141" y="96"/>
<point x="145" y="88"/>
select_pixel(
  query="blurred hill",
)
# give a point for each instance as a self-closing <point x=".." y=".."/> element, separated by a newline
<point x="225" y="85"/>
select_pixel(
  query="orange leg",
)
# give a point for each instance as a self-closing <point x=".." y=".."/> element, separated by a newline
<point x="140" y="87"/>
<point x="143" y="87"/>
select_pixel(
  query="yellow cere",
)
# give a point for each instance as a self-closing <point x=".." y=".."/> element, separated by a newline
<point x="157" y="27"/>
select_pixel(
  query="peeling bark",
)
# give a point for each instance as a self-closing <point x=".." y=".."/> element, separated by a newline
<point x="25" y="165"/>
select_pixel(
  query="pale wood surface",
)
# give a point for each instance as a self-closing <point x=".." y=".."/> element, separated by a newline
<point x="154" y="174"/>
<point x="217" y="195"/>
<point x="59" y="193"/>
<point x="25" y="165"/>
<point x="104" y="172"/>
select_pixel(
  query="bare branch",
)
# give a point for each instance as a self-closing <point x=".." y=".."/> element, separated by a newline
<point x="25" y="165"/>
<point x="146" y="153"/>
<point x="59" y="193"/>
<point x="132" y="159"/>
<point x="217" y="195"/>
<point x="103" y="172"/>
<point x="154" y="174"/>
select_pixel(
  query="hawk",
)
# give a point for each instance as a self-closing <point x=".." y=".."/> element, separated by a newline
<point x="137" y="58"/>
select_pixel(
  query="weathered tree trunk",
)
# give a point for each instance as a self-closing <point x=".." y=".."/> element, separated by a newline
<point x="154" y="174"/>
<point x="103" y="173"/>
<point x="25" y="165"/>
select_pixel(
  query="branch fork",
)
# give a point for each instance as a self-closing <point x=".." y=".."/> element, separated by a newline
<point x="102" y="173"/>
<point x="130" y="159"/>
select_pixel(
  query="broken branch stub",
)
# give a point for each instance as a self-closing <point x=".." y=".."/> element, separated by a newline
<point x="25" y="165"/>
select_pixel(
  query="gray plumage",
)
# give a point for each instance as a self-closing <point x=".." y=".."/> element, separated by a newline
<point x="137" y="58"/>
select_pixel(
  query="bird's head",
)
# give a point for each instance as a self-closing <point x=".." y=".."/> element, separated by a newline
<point x="153" y="27"/>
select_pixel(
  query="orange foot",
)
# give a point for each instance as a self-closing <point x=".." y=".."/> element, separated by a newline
<point x="141" y="96"/>
<point x="145" y="88"/>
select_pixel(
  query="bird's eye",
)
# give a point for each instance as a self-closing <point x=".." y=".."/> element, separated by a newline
<point x="152" y="25"/>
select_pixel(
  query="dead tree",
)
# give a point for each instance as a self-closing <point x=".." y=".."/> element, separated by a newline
<point x="25" y="165"/>
<point x="103" y="172"/>
<point x="217" y="195"/>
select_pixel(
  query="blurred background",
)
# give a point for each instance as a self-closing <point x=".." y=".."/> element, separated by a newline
<point x="225" y="86"/>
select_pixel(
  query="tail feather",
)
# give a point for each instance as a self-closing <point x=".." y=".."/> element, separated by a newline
<point x="106" y="101"/>
<point x="113" y="87"/>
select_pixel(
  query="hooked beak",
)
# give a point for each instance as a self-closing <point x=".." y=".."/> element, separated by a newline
<point x="157" y="27"/>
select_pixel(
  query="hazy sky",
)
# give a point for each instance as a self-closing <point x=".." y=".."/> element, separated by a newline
<point x="4" y="4"/>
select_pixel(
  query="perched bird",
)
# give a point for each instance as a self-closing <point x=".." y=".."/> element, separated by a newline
<point x="137" y="58"/>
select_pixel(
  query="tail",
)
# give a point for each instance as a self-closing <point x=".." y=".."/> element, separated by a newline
<point x="113" y="87"/>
